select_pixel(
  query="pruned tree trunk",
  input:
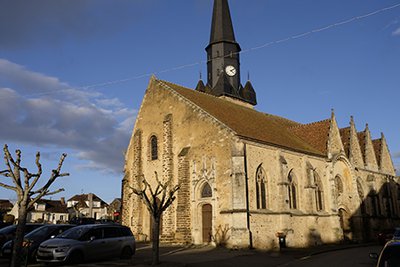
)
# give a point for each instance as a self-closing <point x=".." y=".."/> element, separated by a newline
<point x="27" y="193"/>
<point x="19" y="237"/>
<point x="157" y="202"/>
<point x="156" y="241"/>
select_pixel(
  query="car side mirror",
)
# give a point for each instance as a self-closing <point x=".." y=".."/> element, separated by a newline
<point x="373" y="256"/>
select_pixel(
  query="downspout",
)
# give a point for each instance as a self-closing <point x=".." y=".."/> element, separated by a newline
<point x="247" y="197"/>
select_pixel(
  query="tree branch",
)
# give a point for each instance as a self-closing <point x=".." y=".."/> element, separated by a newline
<point x="8" y="186"/>
<point x="15" y="179"/>
<point x="42" y="194"/>
<point x="54" y="175"/>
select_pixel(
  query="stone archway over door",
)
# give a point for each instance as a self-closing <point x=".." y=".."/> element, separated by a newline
<point x="206" y="214"/>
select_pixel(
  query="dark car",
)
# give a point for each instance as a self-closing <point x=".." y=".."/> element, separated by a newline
<point x="83" y="220"/>
<point x="384" y="236"/>
<point x="8" y="233"/>
<point x="389" y="256"/>
<point x="88" y="242"/>
<point x="35" y="238"/>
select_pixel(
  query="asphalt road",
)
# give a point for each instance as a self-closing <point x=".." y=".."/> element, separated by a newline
<point x="219" y="257"/>
<point x="355" y="257"/>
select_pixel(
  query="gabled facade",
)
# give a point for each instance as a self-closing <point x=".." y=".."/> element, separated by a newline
<point x="49" y="211"/>
<point x="87" y="205"/>
<point x="247" y="177"/>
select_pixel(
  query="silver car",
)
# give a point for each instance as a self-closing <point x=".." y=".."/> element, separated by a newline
<point x="88" y="242"/>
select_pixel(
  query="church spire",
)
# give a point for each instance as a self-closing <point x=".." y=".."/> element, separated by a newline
<point x="223" y="58"/>
<point x="221" y="26"/>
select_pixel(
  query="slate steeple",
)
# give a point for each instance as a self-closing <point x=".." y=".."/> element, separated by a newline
<point x="223" y="59"/>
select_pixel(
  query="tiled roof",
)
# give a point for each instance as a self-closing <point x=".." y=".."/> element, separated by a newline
<point x="54" y="206"/>
<point x="316" y="134"/>
<point x="361" y="140"/>
<point x="85" y="197"/>
<point x="251" y="124"/>
<point x="377" y="143"/>
<point x="345" y="135"/>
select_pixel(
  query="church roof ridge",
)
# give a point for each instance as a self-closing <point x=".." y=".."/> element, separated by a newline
<point x="246" y="123"/>
<point x="239" y="106"/>
<point x="310" y="123"/>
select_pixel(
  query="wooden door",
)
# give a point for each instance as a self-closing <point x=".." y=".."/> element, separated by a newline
<point x="207" y="222"/>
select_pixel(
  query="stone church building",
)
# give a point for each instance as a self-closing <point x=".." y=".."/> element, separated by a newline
<point x="248" y="177"/>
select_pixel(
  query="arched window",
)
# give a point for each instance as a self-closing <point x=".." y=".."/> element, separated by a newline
<point x="206" y="191"/>
<point x="319" y="193"/>
<point x="360" y="190"/>
<point x="338" y="186"/>
<point x="261" y="188"/>
<point x="153" y="147"/>
<point x="375" y="203"/>
<point x="292" y="191"/>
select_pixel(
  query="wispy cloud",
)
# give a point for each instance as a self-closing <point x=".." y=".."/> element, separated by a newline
<point x="396" y="32"/>
<point x="95" y="126"/>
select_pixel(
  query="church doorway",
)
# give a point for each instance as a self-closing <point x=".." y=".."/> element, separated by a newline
<point x="207" y="222"/>
<point x="344" y="223"/>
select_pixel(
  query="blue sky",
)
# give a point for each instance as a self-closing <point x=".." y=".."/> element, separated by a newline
<point x="73" y="72"/>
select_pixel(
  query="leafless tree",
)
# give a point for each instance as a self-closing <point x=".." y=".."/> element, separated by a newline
<point x="156" y="201"/>
<point x="24" y="184"/>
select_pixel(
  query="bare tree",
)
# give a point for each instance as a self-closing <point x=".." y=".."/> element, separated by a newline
<point x="156" y="201"/>
<point x="24" y="183"/>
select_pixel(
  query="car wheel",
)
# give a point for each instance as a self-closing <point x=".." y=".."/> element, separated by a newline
<point x="76" y="257"/>
<point x="126" y="253"/>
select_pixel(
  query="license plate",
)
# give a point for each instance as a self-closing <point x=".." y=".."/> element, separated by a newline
<point x="7" y="251"/>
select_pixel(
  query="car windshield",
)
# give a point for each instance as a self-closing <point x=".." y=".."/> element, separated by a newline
<point x="396" y="234"/>
<point x="390" y="257"/>
<point x="74" y="233"/>
<point x="39" y="232"/>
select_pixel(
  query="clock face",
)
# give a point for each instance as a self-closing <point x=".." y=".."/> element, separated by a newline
<point x="230" y="70"/>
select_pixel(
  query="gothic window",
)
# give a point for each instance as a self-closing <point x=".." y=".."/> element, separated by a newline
<point x="338" y="186"/>
<point x="319" y="193"/>
<point x="360" y="190"/>
<point x="206" y="191"/>
<point x="261" y="192"/>
<point x="375" y="203"/>
<point x="387" y="199"/>
<point x="292" y="192"/>
<point x="153" y="147"/>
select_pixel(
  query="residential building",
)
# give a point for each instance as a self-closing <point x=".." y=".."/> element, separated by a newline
<point x="87" y="205"/>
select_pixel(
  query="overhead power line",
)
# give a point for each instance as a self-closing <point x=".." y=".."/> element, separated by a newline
<point x="293" y="37"/>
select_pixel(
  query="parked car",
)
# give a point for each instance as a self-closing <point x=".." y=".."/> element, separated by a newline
<point x="389" y="256"/>
<point x="33" y="239"/>
<point x="8" y="233"/>
<point x="82" y="220"/>
<point x="389" y="234"/>
<point x="88" y="242"/>
<point x="384" y="236"/>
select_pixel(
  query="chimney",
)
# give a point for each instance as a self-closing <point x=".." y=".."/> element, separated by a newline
<point x="90" y="199"/>
<point x="62" y="201"/>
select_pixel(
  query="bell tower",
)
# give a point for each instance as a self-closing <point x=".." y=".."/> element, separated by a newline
<point x="223" y="59"/>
